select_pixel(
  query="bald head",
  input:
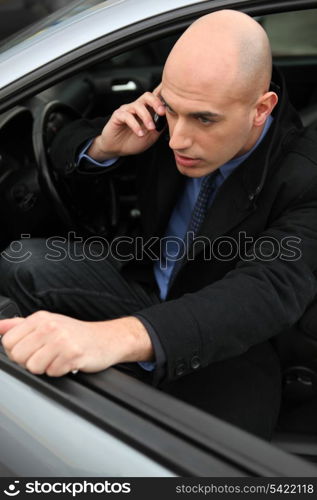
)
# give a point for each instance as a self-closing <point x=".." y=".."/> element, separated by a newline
<point x="227" y="48"/>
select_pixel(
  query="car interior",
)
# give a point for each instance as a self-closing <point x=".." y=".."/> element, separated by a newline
<point x="37" y="201"/>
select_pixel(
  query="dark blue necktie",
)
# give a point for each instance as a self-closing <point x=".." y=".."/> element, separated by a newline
<point x="201" y="205"/>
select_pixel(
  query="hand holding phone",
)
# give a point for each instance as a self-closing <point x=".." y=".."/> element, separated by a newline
<point x="131" y="129"/>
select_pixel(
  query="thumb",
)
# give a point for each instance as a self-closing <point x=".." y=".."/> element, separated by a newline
<point x="8" y="323"/>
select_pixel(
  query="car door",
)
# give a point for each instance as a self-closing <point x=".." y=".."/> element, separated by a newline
<point x="109" y="424"/>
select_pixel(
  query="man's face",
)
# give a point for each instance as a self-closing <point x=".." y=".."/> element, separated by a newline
<point x="208" y="125"/>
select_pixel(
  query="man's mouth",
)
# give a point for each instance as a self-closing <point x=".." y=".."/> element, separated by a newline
<point x="186" y="161"/>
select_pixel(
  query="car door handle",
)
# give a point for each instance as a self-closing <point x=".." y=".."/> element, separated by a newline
<point x="129" y="85"/>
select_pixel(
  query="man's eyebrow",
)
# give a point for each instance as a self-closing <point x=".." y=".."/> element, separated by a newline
<point x="163" y="101"/>
<point x="195" y="114"/>
<point x="205" y="114"/>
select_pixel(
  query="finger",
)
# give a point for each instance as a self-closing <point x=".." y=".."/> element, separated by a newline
<point x="40" y="320"/>
<point x="131" y="121"/>
<point x="157" y="89"/>
<point x="60" y="366"/>
<point x="7" y="324"/>
<point x="59" y="346"/>
<point x="25" y="348"/>
<point x="40" y="360"/>
<point x="15" y="334"/>
<point x="144" y="115"/>
<point x="153" y="101"/>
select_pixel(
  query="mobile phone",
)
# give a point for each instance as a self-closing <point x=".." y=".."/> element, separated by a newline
<point x="160" y="122"/>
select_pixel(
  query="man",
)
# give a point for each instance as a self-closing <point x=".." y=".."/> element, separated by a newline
<point x="236" y="166"/>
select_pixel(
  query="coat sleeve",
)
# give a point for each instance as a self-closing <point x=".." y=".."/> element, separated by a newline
<point x="70" y="140"/>
<point x="258" y="299"/>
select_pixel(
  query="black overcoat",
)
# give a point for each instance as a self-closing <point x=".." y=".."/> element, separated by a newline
<point x="255" y="277"/>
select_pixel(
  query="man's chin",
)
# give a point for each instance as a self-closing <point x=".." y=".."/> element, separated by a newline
<point x="197" y="171"/>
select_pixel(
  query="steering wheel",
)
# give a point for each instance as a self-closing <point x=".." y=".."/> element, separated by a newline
<point x="54" y="116"/>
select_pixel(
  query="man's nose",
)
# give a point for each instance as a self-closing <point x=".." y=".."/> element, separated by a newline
<point x="180" y="137"/>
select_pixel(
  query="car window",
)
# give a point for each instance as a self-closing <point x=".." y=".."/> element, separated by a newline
<point x="151" y="53"/>
<point x="17" y="14"/>
<point x="292" y="33"/>
<point x="50" y="20"/>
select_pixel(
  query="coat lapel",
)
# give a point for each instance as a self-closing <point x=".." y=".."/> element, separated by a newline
<point x="236" y="198"/>
<point x="170" y="184"/>
<point x="230" y="206"/>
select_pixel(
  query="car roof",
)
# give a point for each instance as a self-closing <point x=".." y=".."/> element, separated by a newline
<point x="73" y="27"/>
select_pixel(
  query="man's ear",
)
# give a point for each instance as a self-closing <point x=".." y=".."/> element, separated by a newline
<point x="264" y="107"/>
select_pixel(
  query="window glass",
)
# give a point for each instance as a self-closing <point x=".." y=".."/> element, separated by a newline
<point x="292" y="33"/>
<point x="71" y="10"/>
<point x="152" y="53"/>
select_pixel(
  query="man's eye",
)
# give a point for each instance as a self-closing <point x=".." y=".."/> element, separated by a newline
<point x="205" y="121"/>
<point x="168" y="108"/>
